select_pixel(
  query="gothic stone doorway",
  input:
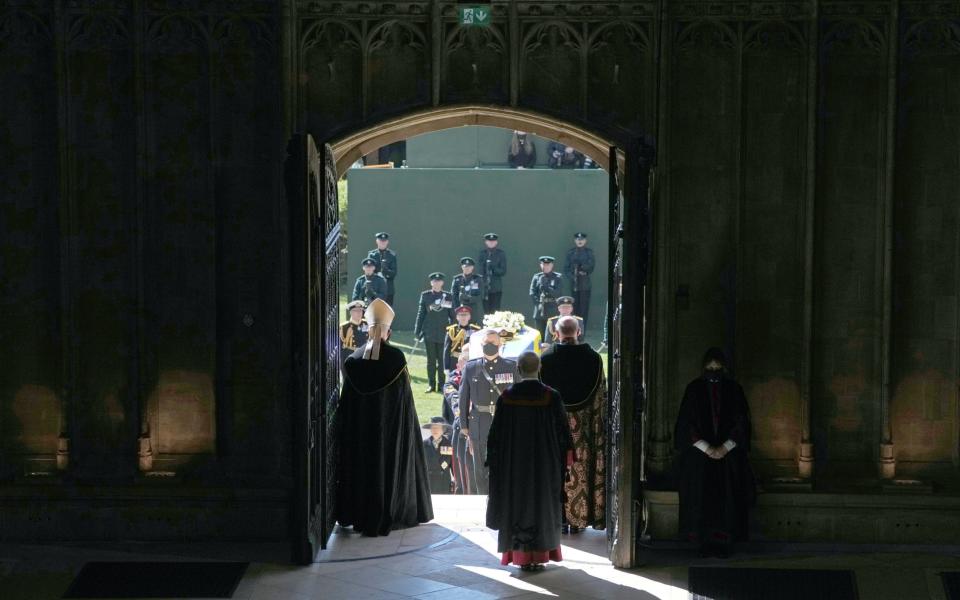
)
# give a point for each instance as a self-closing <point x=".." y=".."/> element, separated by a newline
<point x="311" y="183"/>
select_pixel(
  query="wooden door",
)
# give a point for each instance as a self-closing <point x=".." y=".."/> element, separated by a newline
<point x="311" y="182"/>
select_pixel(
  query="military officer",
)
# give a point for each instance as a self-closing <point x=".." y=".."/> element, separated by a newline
<point x="458" y="337"/>
<point x="578" y="268"/>
<point x="468" y="289"/>
<point x="545" y="287"/>
<point x="565" y="308"/>
<point x="386" y="262"/>
<point x="354" y="331"/>
<point x="433" y="317"/>
<point x="484" y="379"/>
<point x="438" y="454"/>
<point x="371" y="285"/>
<point x="492" y="265"/>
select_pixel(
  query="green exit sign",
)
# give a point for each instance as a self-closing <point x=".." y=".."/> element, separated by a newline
<point x="474" y="15"/>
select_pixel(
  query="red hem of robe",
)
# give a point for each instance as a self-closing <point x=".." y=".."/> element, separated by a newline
<point x="519" y="557"/>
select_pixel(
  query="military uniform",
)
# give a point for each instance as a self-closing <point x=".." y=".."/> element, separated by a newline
<point x="468" y="290"/>
<point x="462" y="484"/>
<point x="492" y="266"/>
<point x="386" y="261"/>
<point x="482" y="383"/>
<point x="370" y="288"/>
<point x="454" y="342"/>
<point x="433" y="317"/>
<point x="352" y="336"/>
<point x="578" y="267"/>
<point x="553" y="335"/>
<point x="545" y="288"/>
<point x="438" y="454"/>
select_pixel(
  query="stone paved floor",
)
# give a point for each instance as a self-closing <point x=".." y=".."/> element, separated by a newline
<point x="454" y="558"/>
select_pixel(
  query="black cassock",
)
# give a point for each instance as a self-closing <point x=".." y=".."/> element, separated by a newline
<point x="526" y="452"/>
<point x="439" y="461"/>
<point x="382" y="480"/>
<point x="715" y="495"/>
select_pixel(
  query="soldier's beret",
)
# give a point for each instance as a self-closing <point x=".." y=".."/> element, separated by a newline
<point x="383" y="235"/>
<point x="491" y="236"/>
<point x="356" y="304"/>
<point x="565" y="300"/>
<point x="369" y="262"/>
<point x="466" y="260"/>
<point x="437" y="276"/>
<point x="463" y="309"/>
<point x="547" y="259"/>
<point x="579" y="235"/>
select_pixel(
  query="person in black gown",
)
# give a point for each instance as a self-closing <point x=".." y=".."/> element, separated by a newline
<point x="381" y="475"/>
<point x="529" y="449"/>
<point x="712" y="439"/>
<point x="438" y="453"/>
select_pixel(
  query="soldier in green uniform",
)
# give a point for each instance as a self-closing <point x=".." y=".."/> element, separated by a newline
<point x="433" y="317"/>
<point x="565" y="308"/>
<point x="492" y="264"/>
<point x="371" y="285"/>
<point x="457" y="337"/>
<point x="545" y="287"/>
<point x="386" y="261"/>
<point x="468" y="289"/>
<point x="578" y="268"/>
<point x="354" y="331"/>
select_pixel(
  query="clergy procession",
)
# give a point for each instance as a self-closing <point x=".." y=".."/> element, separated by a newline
<point x="522" y="418"/>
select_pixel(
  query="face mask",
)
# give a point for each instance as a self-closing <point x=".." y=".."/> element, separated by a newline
<point x="712" y="376"/>
<point x="490" y="349"/>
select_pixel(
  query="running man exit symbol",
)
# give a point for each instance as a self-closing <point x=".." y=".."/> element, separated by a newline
<point x="475" y="15"/>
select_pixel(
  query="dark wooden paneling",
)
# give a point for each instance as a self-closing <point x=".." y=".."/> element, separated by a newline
<point x="475" y="64"/>
<point x="926" y="246"/>
<point x="551" y="67"/>
<point x="330" y="75"/>
<point x="770" y="239"/>
<point x="101" y="178"/>
<point x="247" y="140"/>
<point x="703" y="181"/>
<point x="620" y="80"/>
<point x="180" y="247"/>
<point x="30" y="380"/>
<point x="845" y="390"/>
<point x="398" y="67"/>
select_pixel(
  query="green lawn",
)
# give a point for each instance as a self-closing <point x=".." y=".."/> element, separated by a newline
<point x="428" y="405"/>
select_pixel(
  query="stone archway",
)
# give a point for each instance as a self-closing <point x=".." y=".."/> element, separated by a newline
<point x="351" y="147"/>
<point x="629" y="169"/>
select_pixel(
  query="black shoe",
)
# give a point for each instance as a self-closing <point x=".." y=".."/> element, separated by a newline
<point x="564" y="529"/>
<point x="575" y="529"/>
<point x="723" y="552"/>
<point x="704" y="552"/>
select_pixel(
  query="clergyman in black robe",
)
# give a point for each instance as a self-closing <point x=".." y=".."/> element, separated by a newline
<point x="381" y="475"/>
<point x="712" y="439"/>
<point x="576" y="371"/>
<point x="529" y="449"/>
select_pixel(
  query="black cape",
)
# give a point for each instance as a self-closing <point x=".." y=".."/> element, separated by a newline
<point x="574" y="370"/>
<point x="715" y="495"/>
<point x="382" y="480"/>
<point x="526" y="453"/>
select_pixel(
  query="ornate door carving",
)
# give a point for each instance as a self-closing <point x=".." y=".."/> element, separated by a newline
<point x="315" y="232"/>
<point x="615" y="356"/>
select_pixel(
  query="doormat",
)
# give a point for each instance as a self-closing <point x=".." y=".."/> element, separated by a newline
<point x="719" y="583"/>
<point x="157" y="580"/>
<point x="951" y="584"/>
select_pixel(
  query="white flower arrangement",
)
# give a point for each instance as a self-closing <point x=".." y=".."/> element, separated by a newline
<point x="505" y="320"/>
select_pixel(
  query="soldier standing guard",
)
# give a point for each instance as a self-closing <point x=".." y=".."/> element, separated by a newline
<point x="565" y="308"/>
<point x="433" y="317"/>
<point x="468" y="289"/>
<point x="458" y="337"/>
<point x="493" y="266"/>
<point x="371" y="285"/>
<point x="484" y="379"/>
<point x="386" y="261"/>
<point x="545" y="287"/>
<point x="353" y="331"/>
<point x="578" y="268"/>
